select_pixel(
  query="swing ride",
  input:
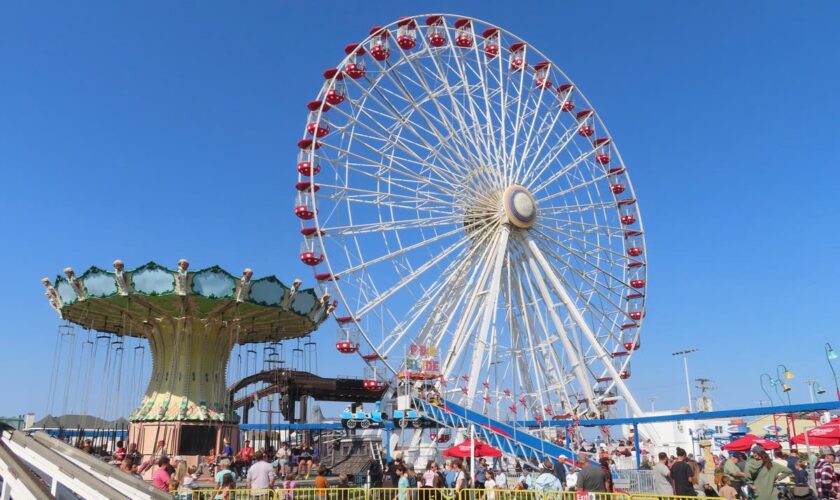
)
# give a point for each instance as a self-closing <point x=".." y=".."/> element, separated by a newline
<point x="191" y="321"/>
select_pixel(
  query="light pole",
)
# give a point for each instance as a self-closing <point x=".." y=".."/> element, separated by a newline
<point x="814" y="389"/>
<point x="684" y="353"/>
<point x="652" y="400"/>
<point x="831" y="354"/>
<point x="772" y="382"/>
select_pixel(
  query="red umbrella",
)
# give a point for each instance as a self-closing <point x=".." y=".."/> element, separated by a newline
<point x="463" y="450"/>
<point x="826" y="434"/>
<point x="748" y="441"/>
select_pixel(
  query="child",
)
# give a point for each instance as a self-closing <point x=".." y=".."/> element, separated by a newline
<point x="228" y="484"/>
<point x="190" y="478"/>
<point x="727" y="491"/>
<point x="288" y="486"/>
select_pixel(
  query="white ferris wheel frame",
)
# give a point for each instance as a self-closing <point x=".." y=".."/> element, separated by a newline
<point x="513" y="280"/>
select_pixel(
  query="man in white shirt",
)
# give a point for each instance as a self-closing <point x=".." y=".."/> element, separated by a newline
<point x="260" y="475"/>
<point x="662" y="476"/>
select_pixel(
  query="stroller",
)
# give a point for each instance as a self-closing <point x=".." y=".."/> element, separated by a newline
<point x="795" y="492"/>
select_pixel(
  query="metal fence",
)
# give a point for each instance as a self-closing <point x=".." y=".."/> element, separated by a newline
<point x="411" y="494"/>
<point x="633" y="481"/>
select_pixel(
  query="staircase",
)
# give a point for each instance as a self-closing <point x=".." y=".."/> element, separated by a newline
<point x="512" y="440"/>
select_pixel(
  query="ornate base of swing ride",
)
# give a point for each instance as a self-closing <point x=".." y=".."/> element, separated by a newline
<point x="190" y="440"/>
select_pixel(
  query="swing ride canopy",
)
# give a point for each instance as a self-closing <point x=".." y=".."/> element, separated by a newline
<point x="123" y="302"/>
<point x="191" y="320"/>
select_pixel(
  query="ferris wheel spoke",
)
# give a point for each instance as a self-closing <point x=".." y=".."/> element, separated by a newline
<point x="402" y="250"/>
<point x="441" y="75"/>
<point x="397" y="78"/>
<point x="392" y="225"/>
<point x="437" y="72"/>
<point x="601" y="353"/>
<point x="486" y="139"/>
<point x="379" y="202"/>
<point x="516" y="124"/>
<point x="580" y="208"/>
<point x="526" y="334"/>
<point x="583" y="227"/>
<point x="528" y="320"/>
<point x="597" y="313"/>
<point x="396" y="167"/>
<point x="583" y="184"/>
<point x="440" y="288"/>
<point x="584" y="156"/>
<point x="541" y="164"/>
<point x="606" y="294"/>
<point x="470" y="310"/>
<point x="485" y="133"/>
<point x="551" y="308"/>
<point x="411" y="194"/>
<point x="602" y="252"/>
<point x="546" y="135"/>
<point x="526" y="147"/>
<point x="441" y="175"/>
<point x="489" y="308"/>
<point x="452" y="158"/>
<point x="417" y="272"/>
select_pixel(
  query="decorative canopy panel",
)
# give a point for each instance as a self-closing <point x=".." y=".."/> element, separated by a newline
<point x="123" y="302"/>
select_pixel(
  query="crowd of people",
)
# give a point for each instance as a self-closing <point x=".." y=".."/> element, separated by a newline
<point x="757" y="475"/>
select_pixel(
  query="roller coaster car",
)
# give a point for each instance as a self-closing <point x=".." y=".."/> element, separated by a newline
<point x="404" y="418"/>
<point x="356" y="416"/>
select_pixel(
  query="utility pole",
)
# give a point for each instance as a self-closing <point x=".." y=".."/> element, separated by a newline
<point x="705" y="385"/>
<point x="684" y="353"/>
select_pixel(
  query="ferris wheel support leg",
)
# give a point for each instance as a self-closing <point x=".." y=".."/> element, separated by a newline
<point x="600" y="352"/>
<point x="580" y="373"/>
<point x="488" y="309"/>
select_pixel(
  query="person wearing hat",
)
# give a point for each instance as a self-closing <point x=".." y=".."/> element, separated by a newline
<point x="732" y="471"/>
<point x="547" y="481"/>
<point x="764" y="473"/>
<point x="227" y="451"/>
<point x="824" y="475"/>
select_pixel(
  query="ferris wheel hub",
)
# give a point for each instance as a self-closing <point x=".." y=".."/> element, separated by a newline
<point x="520" y="206"/>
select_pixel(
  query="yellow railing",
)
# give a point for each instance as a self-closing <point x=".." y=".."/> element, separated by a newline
<point x="236" y="494"/>
<point x="310" y="493"/>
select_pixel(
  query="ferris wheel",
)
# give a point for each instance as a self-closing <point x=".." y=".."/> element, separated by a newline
<point x="457" y="191"/>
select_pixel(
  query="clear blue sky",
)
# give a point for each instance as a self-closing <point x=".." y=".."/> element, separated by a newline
<point x="160" y="130"/>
